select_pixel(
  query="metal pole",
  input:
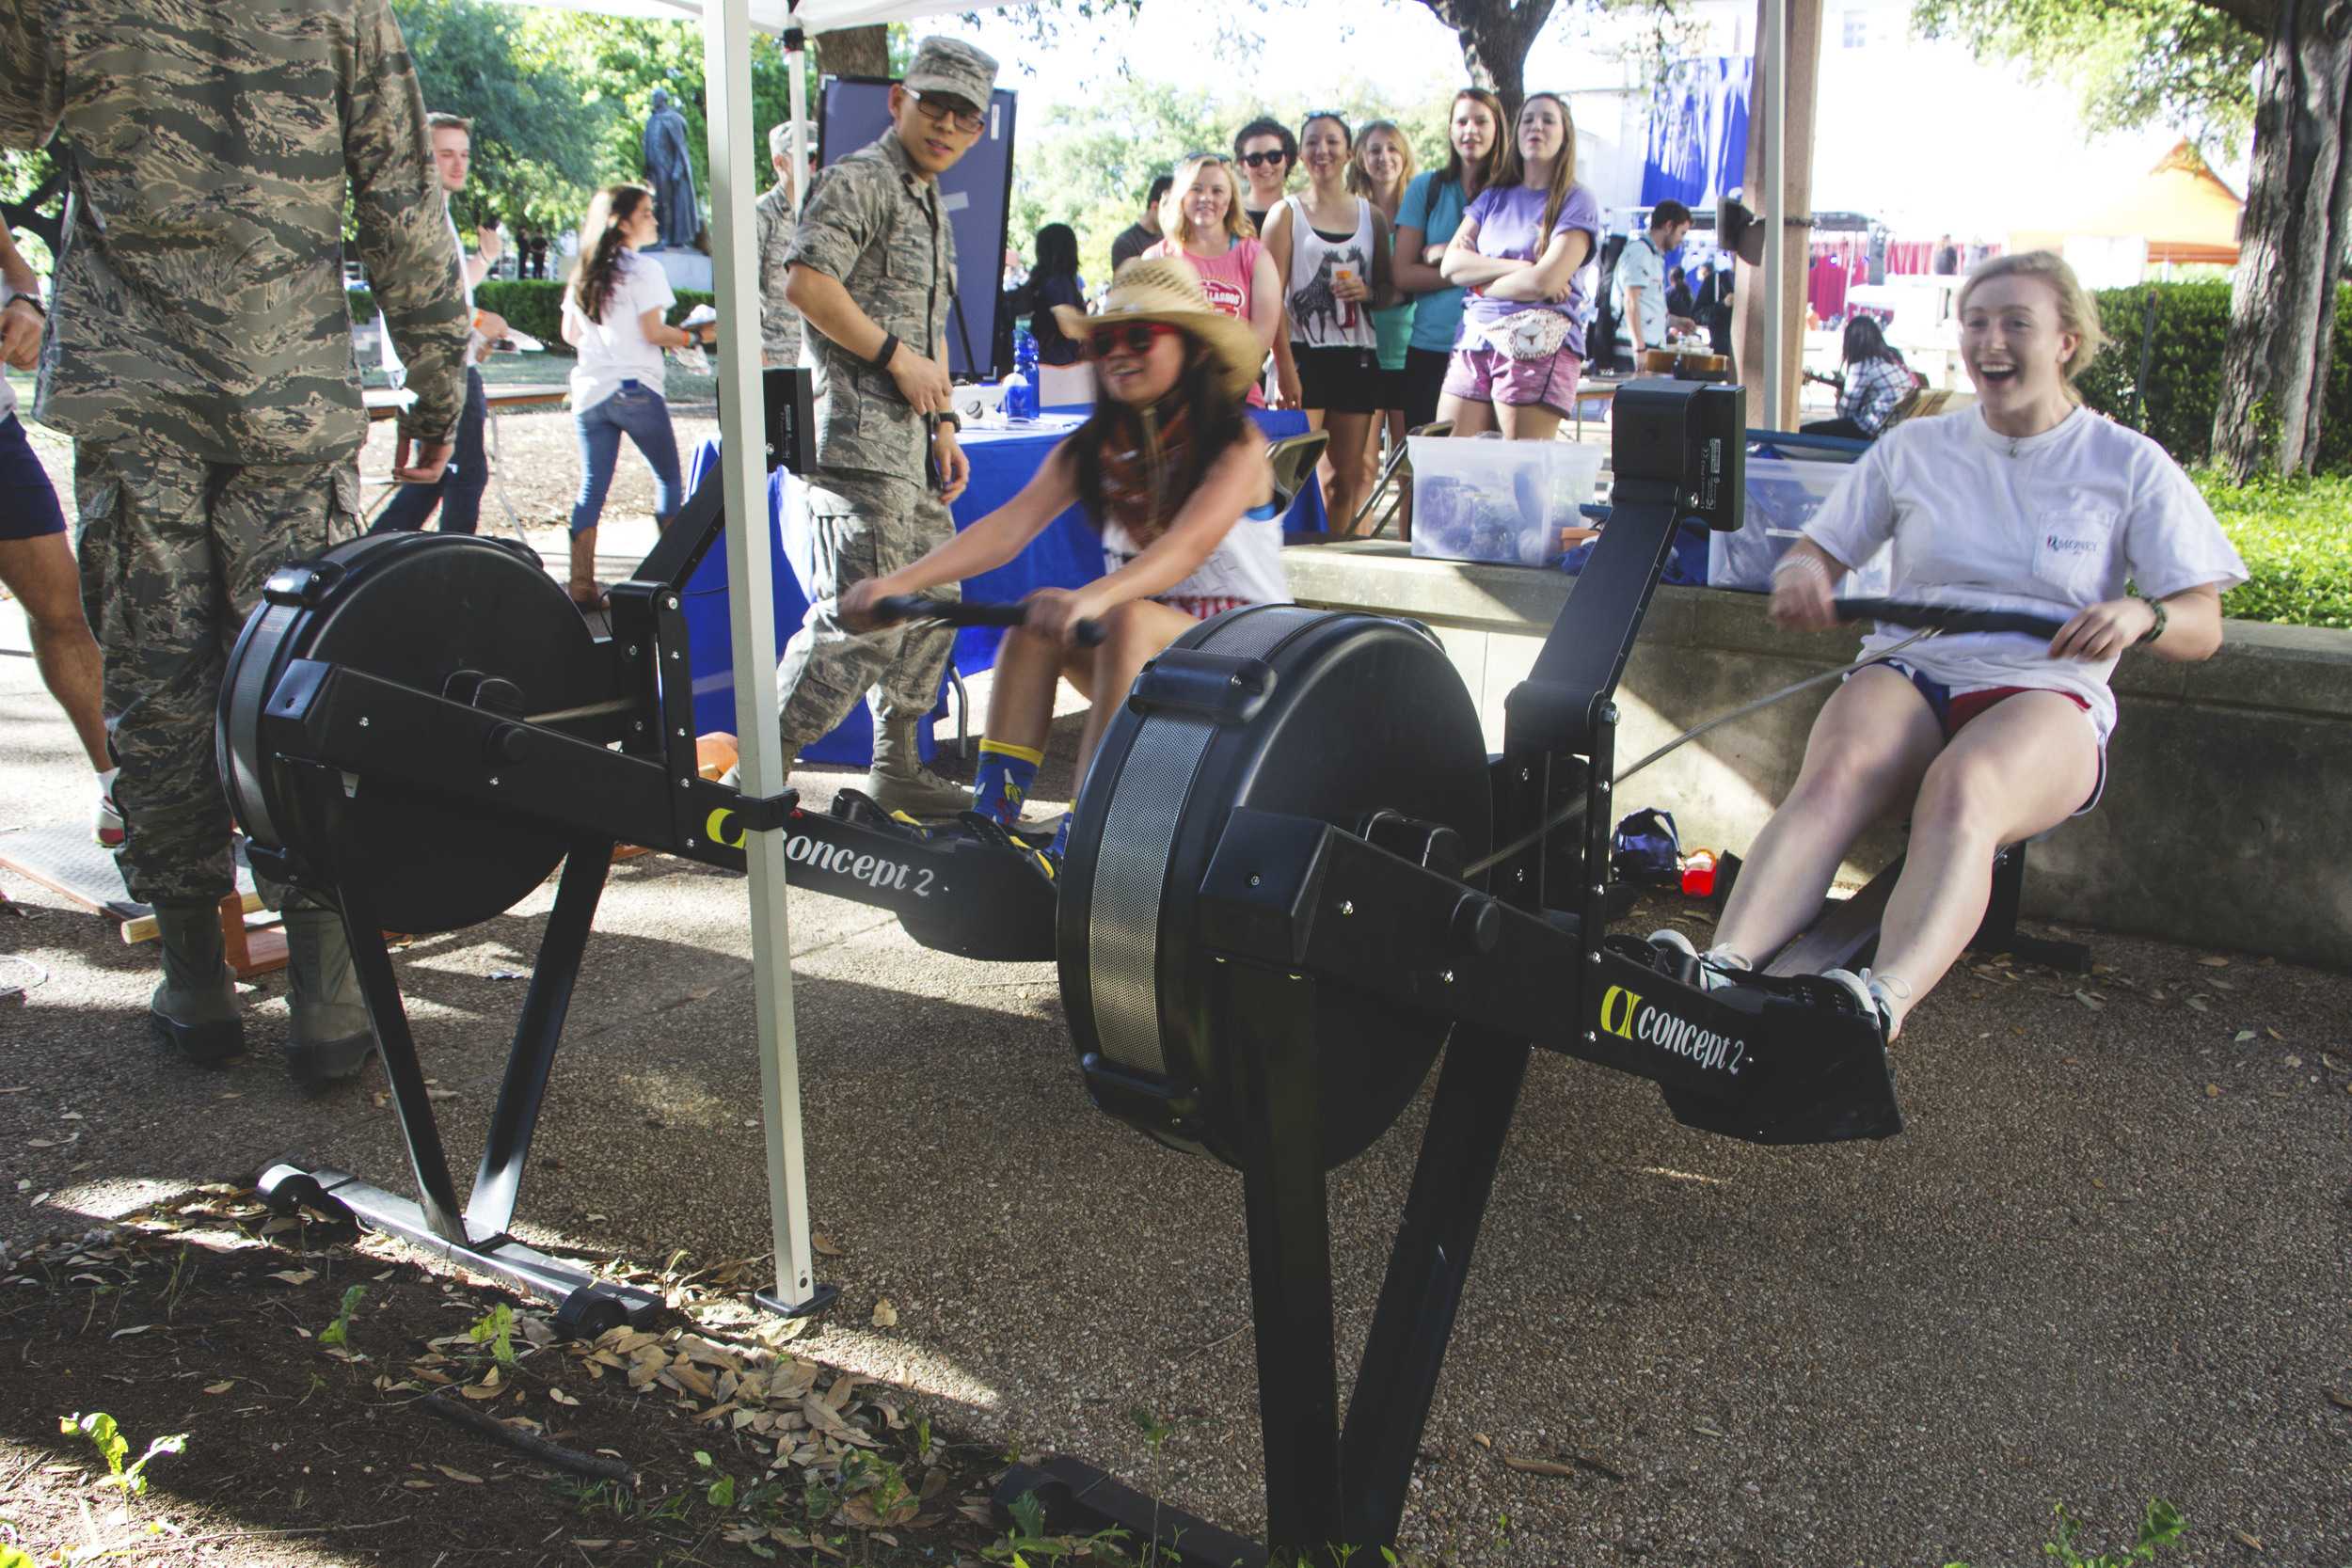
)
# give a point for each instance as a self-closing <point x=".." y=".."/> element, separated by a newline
<point x="751" y="604"/>
<point x="796" y="89"/>
<point x="1773" y="206"/>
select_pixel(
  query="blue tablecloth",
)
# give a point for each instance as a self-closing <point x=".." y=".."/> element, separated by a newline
<point x="1068" y="554"/>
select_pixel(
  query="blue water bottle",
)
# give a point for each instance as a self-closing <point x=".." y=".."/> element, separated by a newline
<point x="1021" y="386"/>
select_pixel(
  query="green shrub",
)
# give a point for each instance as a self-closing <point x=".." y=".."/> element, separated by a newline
<point x="2296" y="538"/>
<point x="2184" y="384"/>
<point x="532" y="305"/>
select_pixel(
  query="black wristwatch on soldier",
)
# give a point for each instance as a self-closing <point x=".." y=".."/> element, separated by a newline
<point x="882" y="355"/>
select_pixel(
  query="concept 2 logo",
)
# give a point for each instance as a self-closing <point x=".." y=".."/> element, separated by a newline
<point x="858" y="865"/>
<point x="1625" y="1015"/>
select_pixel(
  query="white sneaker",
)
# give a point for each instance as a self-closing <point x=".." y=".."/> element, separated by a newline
<point x="1877" y="994"/>
<point x="1713" y="974"/>
<point x="108" y="825"/>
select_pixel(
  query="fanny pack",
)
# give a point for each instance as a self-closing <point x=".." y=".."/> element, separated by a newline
<point x="1528" y="334"/>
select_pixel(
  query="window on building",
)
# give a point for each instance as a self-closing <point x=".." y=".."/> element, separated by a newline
<point x="1857" y="29"/>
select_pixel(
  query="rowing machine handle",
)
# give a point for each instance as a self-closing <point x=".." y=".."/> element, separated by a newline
<point x="962" y="613"/>
<point x="1939" y="617"/>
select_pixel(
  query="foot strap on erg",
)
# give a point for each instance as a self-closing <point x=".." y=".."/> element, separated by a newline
<point x="1006" y="774"/>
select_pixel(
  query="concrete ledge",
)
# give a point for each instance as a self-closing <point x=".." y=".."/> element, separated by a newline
<point x="2227" y="779"/>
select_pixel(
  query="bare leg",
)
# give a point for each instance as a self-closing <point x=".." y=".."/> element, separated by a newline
<point x="1526" y="423"/>
<point x="1350" y="434"/>
<point x="1469" y="418"/>
<point x="2021" y="769"/>
<point x="1139" y="629"/>
<point x="1021" y="690"/>
<point x="41" y="575"/>
<point x="1869" y="748"/>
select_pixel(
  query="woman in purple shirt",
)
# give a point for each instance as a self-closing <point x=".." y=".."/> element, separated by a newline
<point x="1519" y="252"/>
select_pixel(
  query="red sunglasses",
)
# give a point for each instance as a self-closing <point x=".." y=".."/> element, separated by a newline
<point x="1137" y="338"/>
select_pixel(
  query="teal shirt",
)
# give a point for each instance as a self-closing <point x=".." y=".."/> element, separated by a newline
<point x="1435" y="206"/>
<point x="1393" y="330"/>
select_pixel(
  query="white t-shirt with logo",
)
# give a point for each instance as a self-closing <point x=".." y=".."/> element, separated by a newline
<point x="2049" y="524"/>
<point x="615" y="349"/>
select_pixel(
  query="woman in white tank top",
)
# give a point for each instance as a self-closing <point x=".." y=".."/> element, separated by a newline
<point x="1331" y="251"/>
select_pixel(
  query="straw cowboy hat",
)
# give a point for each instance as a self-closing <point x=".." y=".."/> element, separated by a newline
<point x="1168" y="289"/>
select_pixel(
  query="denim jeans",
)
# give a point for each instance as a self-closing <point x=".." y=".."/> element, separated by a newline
<point x="644" y="416"/>
<point x="459" y="490"/>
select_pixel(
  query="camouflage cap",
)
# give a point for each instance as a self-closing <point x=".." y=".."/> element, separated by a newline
<point x="954" y="67"/>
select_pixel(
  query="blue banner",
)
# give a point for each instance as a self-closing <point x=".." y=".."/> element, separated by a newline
<point x="1698" y="132"/>
<point x="976" y="193"/>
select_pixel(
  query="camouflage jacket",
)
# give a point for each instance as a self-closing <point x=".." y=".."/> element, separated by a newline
<point x="878" y="227"/>
<point x="779" y="324"/>
<point x="199" y="299"/>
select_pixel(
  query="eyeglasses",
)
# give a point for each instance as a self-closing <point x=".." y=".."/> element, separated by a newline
<point x="946" y="110"/>
<point x="1135" y="338"/>
<point x="1259" y="160"/>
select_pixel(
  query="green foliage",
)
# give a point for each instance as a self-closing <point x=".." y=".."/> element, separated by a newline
<point x="112" y="1445"/>
<point x="2296" y="536"/>
<point x="539" y="128"/>
<point x="2160" y="1525"/>
<point x="2184" y="381"/>
<point x="1089" y="165"/>
<point x="337" y="1334"/>
<point x="2133" y="63"/>
<point x="532" y="305"/>
<point x="721" y="1493"/>
<point x="496" y="1328"/>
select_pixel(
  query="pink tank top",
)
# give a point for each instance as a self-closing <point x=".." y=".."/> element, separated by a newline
<point x="1227" y="280"/>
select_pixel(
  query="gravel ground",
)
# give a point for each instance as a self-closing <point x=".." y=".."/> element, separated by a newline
<point x="2106" y="1260"/>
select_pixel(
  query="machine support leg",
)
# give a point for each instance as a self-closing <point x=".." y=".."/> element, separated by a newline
<point x="1478" y="1089"/>
<point x="372" y="964"/>
<point x="1271" y="1016"/>
<point x="507" y="1145"/>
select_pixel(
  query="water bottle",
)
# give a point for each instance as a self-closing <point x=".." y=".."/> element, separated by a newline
<point x="1021" y="386"/>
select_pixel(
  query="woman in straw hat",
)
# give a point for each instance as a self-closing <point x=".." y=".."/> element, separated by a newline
<point x="1169" y="471"/>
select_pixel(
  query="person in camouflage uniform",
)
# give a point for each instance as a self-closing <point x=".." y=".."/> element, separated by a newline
<point x="779" y="324"/>
<point x="200" y="353"/>
<point x="872" y="271"/>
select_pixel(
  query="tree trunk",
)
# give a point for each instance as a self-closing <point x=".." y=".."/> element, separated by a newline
<point x="2295" y="243"/>
<point x="855" y="52"/>
<point x="1496" y="36"/>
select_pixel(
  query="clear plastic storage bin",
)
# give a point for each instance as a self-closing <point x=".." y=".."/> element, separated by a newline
<point x="1500" y="500"/>
<point x="1782" y="495"/>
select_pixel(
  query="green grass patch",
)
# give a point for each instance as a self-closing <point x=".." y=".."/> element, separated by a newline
<point x="2296" y="538"/>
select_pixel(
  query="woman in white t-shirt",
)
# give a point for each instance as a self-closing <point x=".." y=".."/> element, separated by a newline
<point x="612" y="314"/>
<point x="2028" y="501"/>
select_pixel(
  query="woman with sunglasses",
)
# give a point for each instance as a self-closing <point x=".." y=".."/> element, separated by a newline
<point x="1202" y="224"/>
<point x="1265" y="152"/>
<point x="1171" y="473"/>
<point x="1331" y="251"/>
<point x="1520" y="252"/>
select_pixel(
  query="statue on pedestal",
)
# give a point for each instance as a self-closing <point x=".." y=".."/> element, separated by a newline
<point x="669" y="168"/>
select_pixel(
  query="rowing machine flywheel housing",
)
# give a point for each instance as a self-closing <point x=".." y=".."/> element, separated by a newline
<point x="474" y="620"/>
<point x="1342" y="718"/>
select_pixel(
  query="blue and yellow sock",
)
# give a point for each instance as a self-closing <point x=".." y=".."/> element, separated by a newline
<point x="1061" y="835"/>
<point x="1003" y="782"/>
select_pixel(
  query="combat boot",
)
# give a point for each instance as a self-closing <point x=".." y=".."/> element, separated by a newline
<point x="195" y="1009"/>
<point x="330" y="1038"/>
<point x="899" y="782"/>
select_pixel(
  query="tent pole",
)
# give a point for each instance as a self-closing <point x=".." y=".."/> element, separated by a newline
<point x="1773" y="206"/>
<point x="751" y="611"/>
<point x="796" y="87"/>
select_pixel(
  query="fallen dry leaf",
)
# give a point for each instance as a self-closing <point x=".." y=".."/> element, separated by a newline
<point x="2088" y="1001"/>
<point x="1537" y="1467"/>
<point x="2211" y="962"/>
<point x="2212" y="1091"/>
<point x="2341" y="1402"/>
<point x="886" y="1315"/>
<point x="824" y="1245"/>
<point x="222" y="1387"/>
<point x="560" y="1397"/>
<point x="295" y="1276"/>
<point x="2255" y="1542"/>
<point x="458" y="1474"/>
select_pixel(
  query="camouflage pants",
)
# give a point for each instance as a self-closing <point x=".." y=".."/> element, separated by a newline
<point x="174" y="553"/>
<point x="863" y="525"/>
